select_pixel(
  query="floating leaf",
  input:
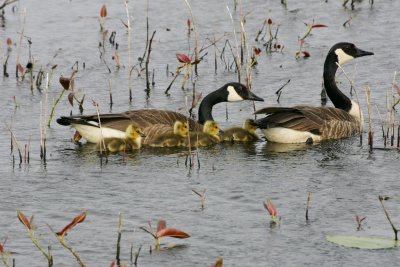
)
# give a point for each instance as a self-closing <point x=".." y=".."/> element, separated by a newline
<point x="24" y="220"/>
<point x="183" y="58"/>
<point x="172" y="232"/>
<point x="318" y="26"/>
<point x="78" y="219"/>
<point x="306" y="54"/>
<point x="103" y="11"/>
<point x="363" y="242"/>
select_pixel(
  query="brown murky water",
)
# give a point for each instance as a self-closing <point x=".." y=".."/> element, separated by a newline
<point x="343" y="176"/>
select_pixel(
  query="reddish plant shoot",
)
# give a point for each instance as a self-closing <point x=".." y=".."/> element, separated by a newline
<point x="78" y="219"/>
<point x="24" y="220"/>
<point x="359" y="221"/>
<point x="218" y="263"/>
<point x="9" y="42"/>
<point x="103" y="11"/>
<point x="163" y="231"/>
<point x="271" y="209"/>
<point x="183" y="58"/>
<point x="269" y="21"/>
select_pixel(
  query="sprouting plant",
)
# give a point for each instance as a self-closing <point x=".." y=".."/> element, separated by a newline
<point x="218" y="263"/>
<point x="67" y="83"/>
<point x="35" y="240"/>
<point x="5" y="255"/>
<point x="103" y="15"/>
<point x="271" y="210"/>
<point x="272" y="45"/>
<point x="163" y="231"/>
<point x="202" y="196"/>
<point x="60" y="235"/>
<point x="302" y="53"/>
<point x="359" y="221"/>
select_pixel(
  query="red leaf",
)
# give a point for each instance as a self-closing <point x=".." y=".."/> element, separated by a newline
<point x="188" y="24"/>
<point x="9" y="42"/>
<point x="257" y="51"/>
<point x="218" y="263"/>
<point x="78" y="219"/>
<point x="318" y="26"/>
<point x="116" y="58"/>
<point x="112" y="264"/>
<point x="103" y="11"/>
<point x="77" y="136"/>
<point x="21" y="69"/>
<point x="24" y="220"/>
<point x="71" y="98"/>
<point x="269" y="21"/>
<point x="172" y="232"/>
<point x="161" y="225"/>
<point x="65" y="82"/>
<point x="306" y="54"/>
<point x="270" y="208"/>
<point x="183" y="58"/>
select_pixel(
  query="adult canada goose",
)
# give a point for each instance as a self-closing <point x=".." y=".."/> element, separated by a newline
<point x="131" y="141"/>
<point x="242" y="134"/>
<point x="209" y="135"/>
<point x="305" y="124"/>
<point x="114" y="125"/>
<point x="172" y="139"/>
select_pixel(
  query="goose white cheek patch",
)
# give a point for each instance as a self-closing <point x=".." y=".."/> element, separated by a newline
<point x="342" y="56"/>
<point x="233" y="96"/>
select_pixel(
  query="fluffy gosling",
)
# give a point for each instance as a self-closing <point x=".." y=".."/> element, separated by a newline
<point x="177" y="138"/>
<point x="245" y="134"/>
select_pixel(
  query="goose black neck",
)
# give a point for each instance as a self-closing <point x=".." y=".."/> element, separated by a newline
<point x="205" y="109"/>
<point x="338" y="99"/>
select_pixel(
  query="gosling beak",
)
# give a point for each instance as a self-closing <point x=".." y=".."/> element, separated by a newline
<point x="142" y="135"/>
<point x="361" y="53"/>
<point x="253" y="97"/>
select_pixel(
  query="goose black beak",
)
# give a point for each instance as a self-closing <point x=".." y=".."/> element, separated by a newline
<point x="253" y="97"/>
<point x="362" y="53"/>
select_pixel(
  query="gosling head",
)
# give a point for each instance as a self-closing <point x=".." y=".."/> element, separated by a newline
<point x="346" y="52"/>
<point x="181" y="128"/>
<point x="250" y="125"/>
<point x="211" y="127"/>
<point x="134" y="133"/>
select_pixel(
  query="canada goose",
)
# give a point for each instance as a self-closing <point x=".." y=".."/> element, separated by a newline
<point x="243" y="134"/>
<point x="114" y="125"/>
<point x="209" y="135"/>
<point x="172" y="139"/>
<point x="305" y="124"/>
<point x="132" y="140"/>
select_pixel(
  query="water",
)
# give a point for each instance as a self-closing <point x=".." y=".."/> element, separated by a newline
<point x="344" y="178"/>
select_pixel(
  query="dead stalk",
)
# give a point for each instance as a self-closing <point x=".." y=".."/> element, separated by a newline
<point x="381" y="199"/>
<point x="147" y="62"/>
<point x="119" y="239"/>
<point x="129" y="52"/>
<point x="308" y="204"/>
<point x="237" y="57"/>
<point x="370" y="133"/>
<point x="20" y="42"/>
<point x="196" y="50"/>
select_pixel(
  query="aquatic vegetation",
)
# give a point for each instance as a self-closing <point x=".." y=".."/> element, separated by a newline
<point x="163" y="231"/>
<point x="271" y="210"/>
<point x="303" y="53"/>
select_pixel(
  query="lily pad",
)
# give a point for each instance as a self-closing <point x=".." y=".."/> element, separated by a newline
<point x="363" y="242"/>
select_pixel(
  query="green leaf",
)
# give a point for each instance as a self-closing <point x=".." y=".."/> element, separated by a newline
<point x="363" y="242"/>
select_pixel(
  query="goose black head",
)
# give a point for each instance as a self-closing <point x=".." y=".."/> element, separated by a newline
<point x="239" y="92"/>
<point x="346" y="52"/>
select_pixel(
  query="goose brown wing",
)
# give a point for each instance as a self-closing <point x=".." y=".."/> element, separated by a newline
<point x="302" y="118"/>
<point x="142" y="117"/>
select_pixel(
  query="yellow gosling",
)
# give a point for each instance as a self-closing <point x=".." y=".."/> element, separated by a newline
<point x="174" y="139"/>
<point x="131" y="141"/>
<point x="209" y="136"/>
<point x="245" y="134"/>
